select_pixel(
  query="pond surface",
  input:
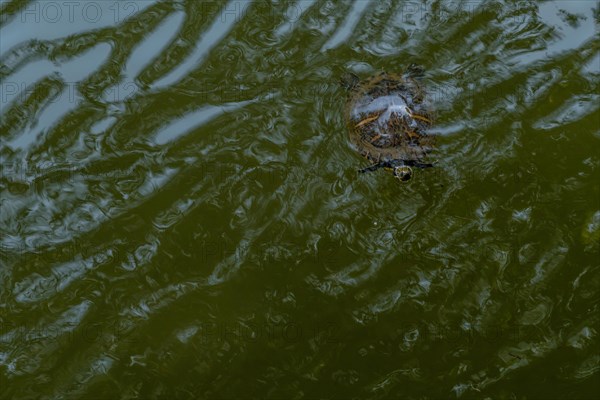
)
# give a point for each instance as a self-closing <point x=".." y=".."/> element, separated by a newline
<point x="182" y="216"/>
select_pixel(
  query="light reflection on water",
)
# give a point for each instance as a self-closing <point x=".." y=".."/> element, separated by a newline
<point x="182" y="216"/>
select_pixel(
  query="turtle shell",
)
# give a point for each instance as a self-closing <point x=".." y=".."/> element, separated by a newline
<point x="387" y="118"/>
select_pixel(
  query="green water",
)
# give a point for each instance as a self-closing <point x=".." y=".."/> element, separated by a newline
<point x="182" y="217"/>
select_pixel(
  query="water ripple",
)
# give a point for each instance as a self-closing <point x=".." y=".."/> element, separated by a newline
<point x="182" y="216"/>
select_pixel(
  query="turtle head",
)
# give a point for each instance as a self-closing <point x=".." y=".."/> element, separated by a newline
<point x="403" y="173"/>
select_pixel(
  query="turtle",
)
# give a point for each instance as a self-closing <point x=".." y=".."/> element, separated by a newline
<point x="388" y="117"/>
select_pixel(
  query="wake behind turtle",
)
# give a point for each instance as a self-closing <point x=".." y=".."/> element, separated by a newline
<point x="388" y="119"/>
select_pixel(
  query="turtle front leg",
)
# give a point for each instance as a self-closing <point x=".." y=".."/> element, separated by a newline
<point x="373" y="167"/>
<point x="417" y="164"/>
